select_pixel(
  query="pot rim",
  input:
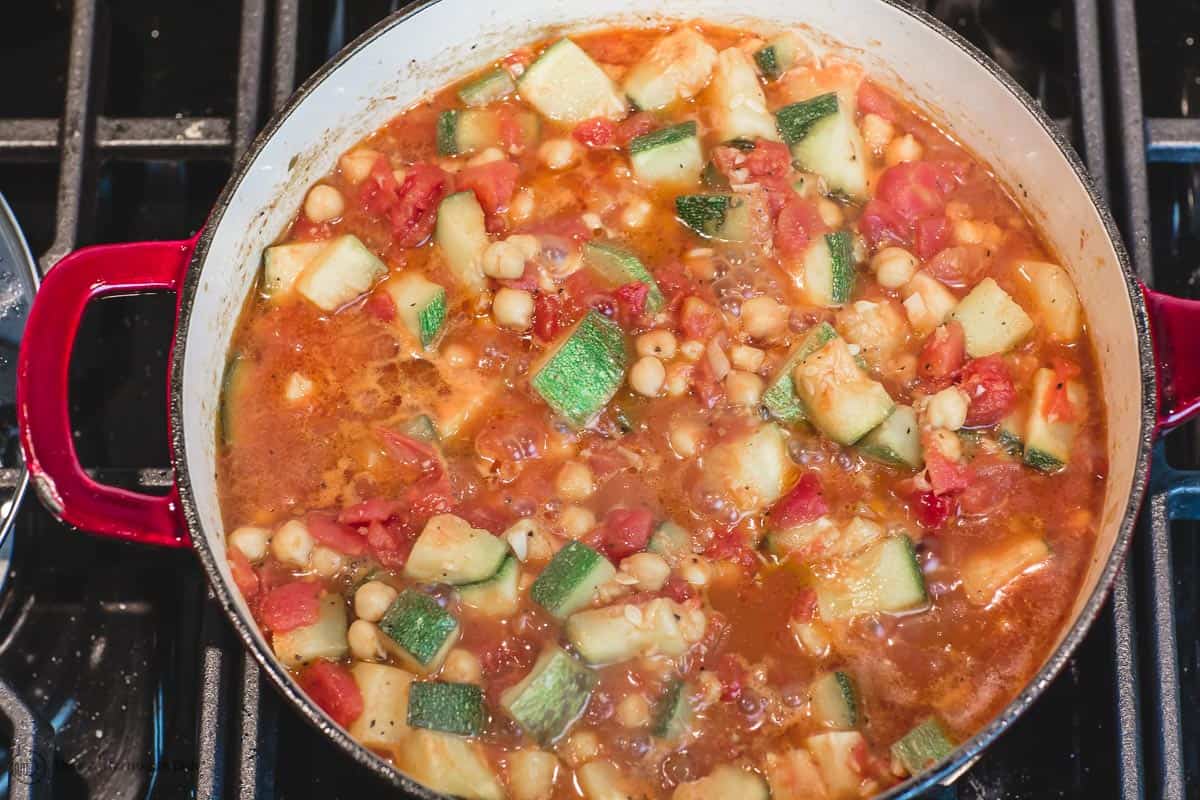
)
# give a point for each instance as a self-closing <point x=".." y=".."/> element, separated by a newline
<point x="966" y="752"/>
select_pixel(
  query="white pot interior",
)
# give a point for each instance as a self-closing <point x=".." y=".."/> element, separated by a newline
<point x="450" y="37"/>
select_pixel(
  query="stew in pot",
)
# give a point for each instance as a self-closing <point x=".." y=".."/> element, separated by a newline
<point x="661" y="413"/>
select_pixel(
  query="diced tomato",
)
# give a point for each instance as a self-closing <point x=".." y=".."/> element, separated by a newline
<point x="328" y="531"/>
<point x="873" y="100"/>
<point x="595" y="132"/>
<point x="797" y="222"/>
<point x="1058" y="406"/>
<point x="374" y="510"/>
<point x="930" y="236"/>
<point x="390" y="545"/>
<point x="709" y="391"/>
<point x="428" y="497"/>
<point x="415" y="210"/>
<point x="915" y="189"/>
<point x="290" y="606"/>
<point x="932" y="510"/>
<point x="804" y="607"/>
<point x="381" y="306"/>
<point x="491" y="517"/>
<point x="547" y="316"/>
<point x="493" y="183"/>
<point x="333" y="688"/>
<point x="732" y="676"/>
<point x="778" y="191"/>
<point x="990" y="389"/>
<point x="379" y="190"/>
<point x="631" y="301"/>
<point x="942" y="355"/>
<point x="244" y="576"/>
<point x="409" y="452"/>
<point x="528" y="282"/>
<point x="511" y="133"/>
<point x="961" y="265"/>
<point x="768" y="158"/>
<point x="729" y="546"/>
<point x="698" y="319"/>
<point x="271" y="574"/>
<point x="727" y="159"/>
<point x="804" y="502"/>
<point x="634" y="126"/>
<point x="881" y="225"/>
<point x="678" y="589"/>
<point x="945" y="475"/>
<point x="992" y="481"/>
<point x="625" y="531"/>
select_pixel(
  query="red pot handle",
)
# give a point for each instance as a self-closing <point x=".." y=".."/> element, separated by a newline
<point x="43" y="416"/>
<point x="1175" y="329"/>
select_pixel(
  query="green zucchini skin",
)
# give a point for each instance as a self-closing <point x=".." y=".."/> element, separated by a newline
<point x="568" y="581"/>
<point x="448" y="707"/>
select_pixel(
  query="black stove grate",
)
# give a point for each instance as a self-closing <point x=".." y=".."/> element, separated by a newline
<point x="96" y="159"/>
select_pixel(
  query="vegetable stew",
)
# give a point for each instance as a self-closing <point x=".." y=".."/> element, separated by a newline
<point x="661" y="413"/>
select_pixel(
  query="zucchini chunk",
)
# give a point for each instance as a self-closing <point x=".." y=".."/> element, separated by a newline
<point x="551" y="697"/>
<point x="671" y="541"/>
<point x="283" y="264"/>
<point x="988" y="571"/>
<point x="927" y="302"/>
<point x="780" y="396"/>
<point x="668" y="155"/>
<point x="1010" y="433"/>
<point x="793" y="775"/>
<point x="1055" y="298"/>
<point x="420" y="306"/>
<point x="778" y="55"/>
<point x="450" y="551"/>
<point x="676" y="68"/>
<point x="564" y="84"/>
<point x="448" y="707"/>
<point x="885" y="578"/>
<point x="618" y="266"/>
<point x="234" y="383"/>
<point x="824" y="139"/>
<point x="463" y="132"/>
<point x="343" y="271"/>
<point x="384" y="721"/>
<point x="601" y="780"/>
<point x="738" y="103"/>
<point x="751" y="469"/>
<point x="715" y="216"/>
<point x="492" y="85"/>
<point x="448" y="764"/>
<point x="922" y="747"/>
<point x="497" y="596"/>
<point x="1048" y="442"/>
<point x="418" y="631"/>
<point x="897" y="440"/>
<point x="570" y="580"/>
<point x="835" y="701"/>
<point x="620" y="632"/>
<point x="420" y="427"/>
<point x="462" y="237"/>
<point x="583" y="369"/>
<point x="822" y="539"/>
<point x="992" y="321"/>
<point x="841" y="400"/>
<point x="834" y="754"/>
<point x="829" y="270"/>
<point x="723" y="783"/>
<point x="673" y="712"/>
<point x="325" y="638"/>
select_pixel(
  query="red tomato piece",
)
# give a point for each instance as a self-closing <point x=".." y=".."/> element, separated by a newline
<point x="373" y="510"/>
<point x="990" y="389"/>
<point x="942" y="355"/>
<point x="931" y="235"/>
<point x="881" y="225"/>
<point x="678" y="589"/>
<point x="390" y="544"/>
<point x="962" y="265"/>
<point x="729" y="546"/>
<point x="409" y="452"/>
<point x="798" y="221"/>
<point x="381" y="306"/>
<point x="915" y="189"/>
<point x="595" y="132"/>
<point x="804" y="502"/>
<point x="547" y="316"/>
<point x="1058" y="406"/>
<point x="378" y="192"/>
<point x="778" y="191"/>
<point x="804" y="607"/>
<point x="634" y="126"/>
<point x="428" y="497"/>
<point x="493" y="183"/>
<point x="625" y="531"/>
<point x="328" y="531"/>
<point x="768" y="158"/>
<point x="932" y="510"/>
<point x="244" y="576"/>
<point x="873" y="100"/>
<point x="945" y="475"/>
<point x="709" y="391"/>
<point x="290" y="606"/>
<point x="698" y="319"/>
<point x="732" y="675"/>
<point x="333" y="688"/>
<point x="631" y="301"/>
<point x="992" y="481"/>
<point x="414" y="212"/>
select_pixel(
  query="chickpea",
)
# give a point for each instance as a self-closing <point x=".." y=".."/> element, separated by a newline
<point x="894" y="267"/>
<point x="877" y="132"/>
<point x="636" y="214"/>
<point x="745" y="357"/>
<point x="559" y="154"/>
<point x="660" y="344"/>
<point x="513" y="309"/>
<point x="462" y="667"/>
<point x="743" y="388"/>
<point x="649" y="569"/>
<point x="685" y="436"/>
<point x="323" y="203"/>
<point x="292" y="544"/>
<point x="326" y="561"/>
<point x="580" y="747"/>
<point x="696" y="571"/>
<point x="679" y="378"/>
<point x="830" y="212"/>
<point x="574" y="481"/>
<point x="527" y="243"/>
<point x="252" y="541"/>
<point x="373" y="599"/>
<point x="456" y="355"/>
<point x="903" y="149"/>
<point x="486" y="157"/>
<point x="520" y="208"/>
<point x="633" y="711"/>
<point x="691" y="349"/>
<point x="503" y="260"/>
<point x="576" y="521"/>
<point x="967" y="231"/>
<point x="357" y="164"/>
<point x="647" y="376"/>
<point x="948" y="409"/>
<point x="363" y="639"/>
<point x="532" y="774"/>
<point x="764" y="317"/>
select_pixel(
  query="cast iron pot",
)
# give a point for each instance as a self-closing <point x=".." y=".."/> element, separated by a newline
<point x="1149" y="382"/>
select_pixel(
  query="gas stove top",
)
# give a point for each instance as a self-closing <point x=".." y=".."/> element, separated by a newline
<point x="119" y="677"/>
